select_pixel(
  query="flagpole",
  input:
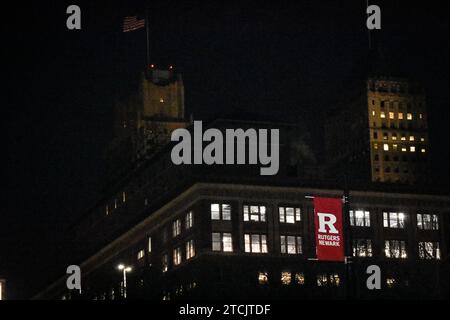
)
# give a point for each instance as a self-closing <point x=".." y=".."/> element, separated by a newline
<point x="147" y="29"/>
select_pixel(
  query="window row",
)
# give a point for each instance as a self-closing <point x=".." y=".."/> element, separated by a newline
<point x="396" y="137"/>
<point x="394" y="220"/>
<point x="256" y="213"/>
<point x="402" y="148"/>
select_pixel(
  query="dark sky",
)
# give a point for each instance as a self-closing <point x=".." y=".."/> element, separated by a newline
<point x="291" y="60"/>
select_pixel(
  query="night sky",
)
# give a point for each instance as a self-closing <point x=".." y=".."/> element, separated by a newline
<point x="290" y="61"/>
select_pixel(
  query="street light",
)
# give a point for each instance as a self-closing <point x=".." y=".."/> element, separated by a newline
<point x="124" y="269"/>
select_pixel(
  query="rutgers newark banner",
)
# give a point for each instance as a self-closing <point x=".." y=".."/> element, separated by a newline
<point x="329" y="231"/>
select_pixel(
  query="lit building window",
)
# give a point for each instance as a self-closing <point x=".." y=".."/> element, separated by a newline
<point x="189" y="220"/>
<point x="176" y="256"/>
<point x="373" y="113"/>
<point x="289" y="214"/>
<point x="400" y="115"/>
<point x="395" y="147"/>
<point x="403" y="138"/>
<point x="176" y="228"/>
<point x="124" y="196"/>
<point x="427" y="221"/>
<point x="391" y="282"/>
<point x="255" y="243"/>
<point x="395" y="220"/>
<point x="222" y="242"/>
<point x="422" y="139"/>
<point x="411" y="138"/>
<point x="412" y="149"/>
<point x="140" y="254"/>
<point x="403" y="149"/>
<point x="420" y="116"/>
<point x="161" y="100"/>
<point x="107" y="210"/>
<point x="286" y="278"/>
<point x="362" y="248"/>
<point x="394" y="136"/>
<point x="190" y="249"/>
<point x="385" y="147"/>
<point x="359" y="218"/>
<point x="391" y="115"/>
<point x="325" y="280"/>
<point x="263" y="278"/>
<point x="149" y="244"/>
<point x="291" y="244"/>
<point x="409" y="116"/>
<point x="385" y="135"/>
<point x="165" y="263"/>
<point x="422" y="150"/>
<point x="375" y="146"/>
<point x="429" y="250"/>
<point x="220" y="211"/>
<point x="382" y="115"/>
<point x="395" y="249"/>
<point x="254" y="213"/>
<point x="299" y="278"/>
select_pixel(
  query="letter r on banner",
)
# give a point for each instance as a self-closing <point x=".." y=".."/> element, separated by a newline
<point x="329" y="231"/>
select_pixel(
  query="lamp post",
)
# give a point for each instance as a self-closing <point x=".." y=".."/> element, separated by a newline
<point x="124" y="269"/>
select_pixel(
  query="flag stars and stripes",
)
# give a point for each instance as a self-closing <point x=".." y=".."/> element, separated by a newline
<point x="132" y="23"/>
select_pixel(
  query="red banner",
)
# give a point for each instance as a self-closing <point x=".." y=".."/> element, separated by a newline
<point x="329" y="231"/>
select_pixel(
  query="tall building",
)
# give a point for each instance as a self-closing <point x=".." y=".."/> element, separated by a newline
<point x="380" y="133"/>
<point x="145" y="119"/>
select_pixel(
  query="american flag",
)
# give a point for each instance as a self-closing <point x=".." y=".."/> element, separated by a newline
<point x="132" y="24"/>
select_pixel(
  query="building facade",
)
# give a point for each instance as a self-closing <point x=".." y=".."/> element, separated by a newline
<point x="380" y="133"/>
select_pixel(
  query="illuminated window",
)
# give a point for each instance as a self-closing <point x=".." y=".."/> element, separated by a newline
<point x="176" y="256"/>
<point x="394" y="136"/>
<point x="395" y="249"/>
<point x="359" y="218"/>
<point x="422" y="150"/>
<point x="286" y="278"/>
<point x="395" y="220"/>
<point x="254" y="213"/>
<point x="161" y="100"/>
<point x="255" y="243"/>
<point x="220" y="211"/>
<point x="395" y="146"/>
<point x="373" y="113"/>
<point x="176" y="228"/>
<point x="375" y="146"/>
<point x="411" y="138"/>
<point x="107" y="210"/>
<point x="391" y="115"/>
<point x="385" y="147"/>
<point x="263" y="278"/>
<point x="409" y="116"/>
<point x="124" y="196"/>
<point x="403" y="149"/>
<point x="165" y="263"/>
<point x="140" y="254"/>
<point x="299" y="278"/>
<point x="429" y="250"/>
<point x="403" y="138"/>
<point x="289" y="214"/>
<point x="412" y="149"/>
<point x="382" y="115"/>
<point x="325" y="280"/>
<point x="400" y="115"/>
<point x="190" y="249"/>
<point x="362" y="248"/>
<point x="385" y="135"/>
<point x="422" y="139"/>
<point x="189" y="220"/>
<point x="427" y="221"/>
<point x="149" y="244"/>
<point x="391" y="282"/>
<point x="291" y="244"/>
<point x="222" y="242"/>
<point x="420" y="116"/>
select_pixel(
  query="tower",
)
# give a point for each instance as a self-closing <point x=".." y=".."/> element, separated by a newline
<point x="398" y="131"/>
